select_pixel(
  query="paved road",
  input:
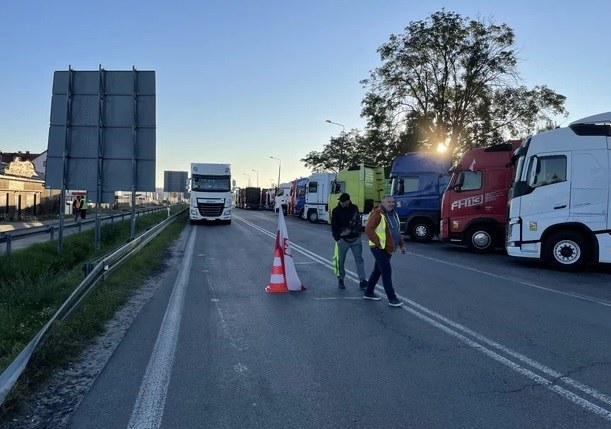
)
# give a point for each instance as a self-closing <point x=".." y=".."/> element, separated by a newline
<point x="482" y="341"/>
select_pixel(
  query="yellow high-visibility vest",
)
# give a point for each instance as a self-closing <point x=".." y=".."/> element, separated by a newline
<point x="380" y="232"/>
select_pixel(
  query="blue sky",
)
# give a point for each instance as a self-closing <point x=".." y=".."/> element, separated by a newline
<point x="240" y="81"/>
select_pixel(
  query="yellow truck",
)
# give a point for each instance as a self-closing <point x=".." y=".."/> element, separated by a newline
<point x="365" y="184"/>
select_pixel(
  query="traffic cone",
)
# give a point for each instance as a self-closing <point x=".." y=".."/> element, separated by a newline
<point x="277" y="282"/>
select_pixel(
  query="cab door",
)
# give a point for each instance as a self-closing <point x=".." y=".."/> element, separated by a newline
<point x="549" y="194"/>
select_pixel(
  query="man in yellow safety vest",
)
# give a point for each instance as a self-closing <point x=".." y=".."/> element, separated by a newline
<point x="384" y="233"/>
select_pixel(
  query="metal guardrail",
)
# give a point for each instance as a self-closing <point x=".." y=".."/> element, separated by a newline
<point x="105" y="265"/>
<point x="9" y="236"/>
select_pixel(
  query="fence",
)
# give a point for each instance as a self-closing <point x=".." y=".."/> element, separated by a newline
<point x="50" y="230"/>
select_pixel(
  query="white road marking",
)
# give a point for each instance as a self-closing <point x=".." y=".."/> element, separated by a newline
<point x="514" y="279"/>
<point x="148" y="409"/>
<point x="555" y="377"/>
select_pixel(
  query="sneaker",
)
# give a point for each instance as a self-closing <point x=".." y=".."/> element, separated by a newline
<point x="340" y="284"/>
<point x="363" y="284"/>
<point x="395" y="302"/>
<point x="372" y="296"/>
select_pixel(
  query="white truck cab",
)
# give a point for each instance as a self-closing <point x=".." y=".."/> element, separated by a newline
<point x="282" y="197"/>
<point x="559" y="205"/>
<point x="210" y="187"/>
<point x="317" y="194"/>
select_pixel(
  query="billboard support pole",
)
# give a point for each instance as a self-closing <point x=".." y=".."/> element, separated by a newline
<point x="100" y="170"/>
<point x="62" y="195"/>
<point x="134" y="154"/>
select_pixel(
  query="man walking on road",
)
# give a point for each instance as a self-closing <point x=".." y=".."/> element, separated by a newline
<point x="384" y="233"/>
<point x="346" y="228"/>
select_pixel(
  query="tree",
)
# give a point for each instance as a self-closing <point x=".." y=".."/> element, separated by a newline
<point x="453" y="81"/>
<point x="328" y="158"/>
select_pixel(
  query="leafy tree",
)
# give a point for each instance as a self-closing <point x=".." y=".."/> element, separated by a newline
<point x="329" y="158"/>
<point x="451" y="80"/>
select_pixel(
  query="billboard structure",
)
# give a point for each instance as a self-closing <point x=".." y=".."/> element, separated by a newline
<point x="175" y="181"/>
<point x="102" y="135"/>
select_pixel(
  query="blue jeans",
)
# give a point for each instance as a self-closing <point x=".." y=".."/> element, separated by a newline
<point x="357" y="251"/>
<point x="381" y="268"/>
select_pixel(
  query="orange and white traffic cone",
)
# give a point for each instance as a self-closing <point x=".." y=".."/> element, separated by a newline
<point x="277" y="281"/>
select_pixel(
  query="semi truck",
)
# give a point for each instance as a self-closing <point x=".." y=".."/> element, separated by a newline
<point x="250" y="198"/>
<point x="560" y="200"/>
<point x="282" y="197"/>
<point x="366" y="185"/>
<point x="418" y="182"/>
<point x="317" y="197"/>
<point x="474" y="205"/>
<point x="210" y="187"/>
<point x="297" y="196"/>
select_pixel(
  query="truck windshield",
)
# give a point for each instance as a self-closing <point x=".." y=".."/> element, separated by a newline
<point x="201" y="183"/>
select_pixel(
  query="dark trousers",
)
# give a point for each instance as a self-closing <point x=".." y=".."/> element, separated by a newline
<point x="381" y="268"/>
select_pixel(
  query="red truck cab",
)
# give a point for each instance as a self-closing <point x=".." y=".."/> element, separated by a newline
<point x="474" y="205"/>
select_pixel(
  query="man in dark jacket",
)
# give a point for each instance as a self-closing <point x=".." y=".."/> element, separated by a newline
<point x="346" y="228"/>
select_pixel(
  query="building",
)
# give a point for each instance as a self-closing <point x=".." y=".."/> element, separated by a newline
<point x="22" y="191"/>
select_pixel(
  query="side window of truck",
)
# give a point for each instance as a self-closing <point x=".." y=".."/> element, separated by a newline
<point x="549" y="170"/>
<point x="471" y="180"/>
<point x="338" y="187"/>
<point x="312" y="187"/>
<point x="407" y="184"/>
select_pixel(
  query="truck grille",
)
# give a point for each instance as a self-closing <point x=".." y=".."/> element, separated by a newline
<point x="210" y="209"/>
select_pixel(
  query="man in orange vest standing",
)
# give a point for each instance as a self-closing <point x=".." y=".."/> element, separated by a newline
<point x="384" y="233"/>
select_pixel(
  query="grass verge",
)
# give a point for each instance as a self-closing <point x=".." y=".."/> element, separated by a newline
<point x="38" y="281"/>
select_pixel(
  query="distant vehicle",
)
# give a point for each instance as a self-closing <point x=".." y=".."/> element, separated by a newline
<point x="282" y="197"/>
<point x="210" y="187"/>
<point x="418" y="182"/>
<point x="316" y="206"/>
<point x="366" y="185"/>
<point x="267" y="199"/>
<point x="560" y="204"/>
<point x="474" y="206"/>
<point x="297" y="200"/>
<point x="250" y="198"/>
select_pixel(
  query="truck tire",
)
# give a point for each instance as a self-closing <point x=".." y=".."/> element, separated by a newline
<point x="420" y="230"/>
<point x="313" y="216"/>
<point x="566" y="251"/>
<point x="480" y="239"/>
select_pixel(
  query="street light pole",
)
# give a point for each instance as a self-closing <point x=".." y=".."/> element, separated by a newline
<point x="279" y="163"/>
<point x="257" y="171"/>
<point x="247" y="175"/>
<point x="341" y="147"/>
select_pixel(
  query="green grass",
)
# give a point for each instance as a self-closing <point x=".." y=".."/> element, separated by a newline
<point x="35" y="282"/>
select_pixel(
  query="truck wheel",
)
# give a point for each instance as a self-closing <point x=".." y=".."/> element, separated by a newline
<point x="420" y="231"/>
<point x="480" y="239"/>
<point x="313" y="216"/>
<point x="566" y="251"/>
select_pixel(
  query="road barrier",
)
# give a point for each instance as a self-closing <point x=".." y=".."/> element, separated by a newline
<point x="9" y="237"/>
